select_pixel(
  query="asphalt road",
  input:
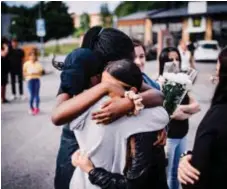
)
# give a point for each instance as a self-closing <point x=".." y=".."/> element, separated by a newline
<point x="30" y="143"/>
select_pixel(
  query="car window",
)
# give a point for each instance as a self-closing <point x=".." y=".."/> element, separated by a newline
<point x="210" y="46"/>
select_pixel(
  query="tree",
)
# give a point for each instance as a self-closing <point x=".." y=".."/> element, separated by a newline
<point x="4" y="7"/>
<point x="106" y="16"/>
<point x="22" y="24"/>
<point x="84" y="21"/>
<point x="58" y="21"/>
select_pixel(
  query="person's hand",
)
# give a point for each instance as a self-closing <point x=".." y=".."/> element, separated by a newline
<point x="161" y="80"/>
<point x="187" y="173"/>
<point x="5" y="50"/>
<point x="80" y="159"/>
<point x="161" y="140"/>
<point x="179" y="113"/>
<point x="113" y="109"/>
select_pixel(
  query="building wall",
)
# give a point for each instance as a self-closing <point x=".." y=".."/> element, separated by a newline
<point x="95" y="19"/>
<point x="209" y="27"/>
<point x="148" y="32"/>
<point x="185" y="33"/>
<point x="133" y="28"/>
<point x="76" y="20"/>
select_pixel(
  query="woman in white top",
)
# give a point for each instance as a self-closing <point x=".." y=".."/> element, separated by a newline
<point x="187" y="61"/>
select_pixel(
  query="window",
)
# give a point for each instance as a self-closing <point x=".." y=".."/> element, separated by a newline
<point x="196" y="22"/>
<point x="210" y="46"/>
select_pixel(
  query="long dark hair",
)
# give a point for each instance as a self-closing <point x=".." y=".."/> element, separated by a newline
<point x="138" y="43"/>
<point x="108" y="44"/>
<point x="112" y="44"/>
<point x="220" y="94"/>
<point x="126" y="71"/>
<point x="164" y="57"/>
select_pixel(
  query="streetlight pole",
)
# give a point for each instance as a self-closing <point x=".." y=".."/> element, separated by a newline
<point x="41" y="38"/>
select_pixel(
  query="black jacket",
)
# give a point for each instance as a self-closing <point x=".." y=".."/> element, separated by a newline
<point x="146" y="169"/>
<point x="210" y="150"/>
<point x="16" y="60"/>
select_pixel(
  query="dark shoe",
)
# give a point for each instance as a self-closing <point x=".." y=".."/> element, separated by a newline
<point x="5" y="101"/>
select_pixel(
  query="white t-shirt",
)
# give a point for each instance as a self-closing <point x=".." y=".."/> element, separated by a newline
<point x="106" y="145"/>
<point x="185" y="59"/>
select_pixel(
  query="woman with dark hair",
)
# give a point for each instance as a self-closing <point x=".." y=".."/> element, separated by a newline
<point x="140" y="60"/>
<point x="144" y="166"/>
<point x="179" y="124"/>
<point x="205" y="167"/>
<point x="78" y="70"/>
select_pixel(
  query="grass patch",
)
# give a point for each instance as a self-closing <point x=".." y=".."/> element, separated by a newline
<point x="62" y="49"/>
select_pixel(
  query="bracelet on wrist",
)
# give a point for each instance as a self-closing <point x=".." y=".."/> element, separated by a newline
<point x="137" y="100"/>
<point x="186" y="153"/>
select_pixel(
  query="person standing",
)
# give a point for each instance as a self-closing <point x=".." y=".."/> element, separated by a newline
<point x="205" y="167"/>
<point x="16" y="56"/>
<point x="32" y="70"/>
<point x="179" y="124"/>
<point x="140" y="60"/>
<point x="5" y="68"/>
<point x="186" y="57"/>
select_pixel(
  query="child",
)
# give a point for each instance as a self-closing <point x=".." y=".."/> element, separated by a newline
<point x="32" y="70"/>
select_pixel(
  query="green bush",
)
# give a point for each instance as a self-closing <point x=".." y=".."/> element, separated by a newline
<point x="63" y="49"/>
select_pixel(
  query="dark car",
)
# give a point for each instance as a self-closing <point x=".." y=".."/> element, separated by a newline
<point x="151" y="52"/>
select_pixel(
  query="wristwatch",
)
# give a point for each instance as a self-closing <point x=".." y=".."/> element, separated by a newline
<point x="186" y="153"/>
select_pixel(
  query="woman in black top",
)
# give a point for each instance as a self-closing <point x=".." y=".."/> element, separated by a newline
<point x="179" y="125"/>
<point x="209" y="155"/>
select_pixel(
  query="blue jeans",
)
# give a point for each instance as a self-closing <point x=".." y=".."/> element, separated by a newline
<point x="64" y="169"/>
<point x="33" y="87"/>
<point x="175" y="147"/>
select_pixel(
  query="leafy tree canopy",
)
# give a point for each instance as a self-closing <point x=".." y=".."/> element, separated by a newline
<point x="58" y="21"/>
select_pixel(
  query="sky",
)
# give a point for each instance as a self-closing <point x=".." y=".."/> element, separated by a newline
<point x="74" y="6"/>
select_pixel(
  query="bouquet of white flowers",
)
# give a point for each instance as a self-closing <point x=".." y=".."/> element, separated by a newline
<point x="175" y="86"/>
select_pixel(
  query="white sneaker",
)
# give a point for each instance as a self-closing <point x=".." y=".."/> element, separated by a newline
<point x="30" y="112"/>
<point x="22" y="97"/>
<point x="13" y="97"/>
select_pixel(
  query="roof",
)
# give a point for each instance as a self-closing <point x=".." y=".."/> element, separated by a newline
<point x="183" y="12"/>
<point x="139" y="15"/>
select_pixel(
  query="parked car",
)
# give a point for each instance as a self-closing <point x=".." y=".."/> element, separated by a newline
<point x="206" y="51"/>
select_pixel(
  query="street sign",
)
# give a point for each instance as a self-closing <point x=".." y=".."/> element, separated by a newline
<point x="40" y="27"/>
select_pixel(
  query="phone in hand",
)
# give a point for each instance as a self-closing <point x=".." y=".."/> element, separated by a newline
<point x="171" y="67"/>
